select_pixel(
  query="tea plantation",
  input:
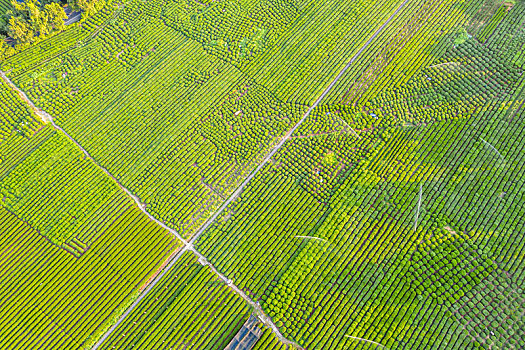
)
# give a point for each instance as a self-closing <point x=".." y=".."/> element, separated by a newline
<point x="265" y="174"/>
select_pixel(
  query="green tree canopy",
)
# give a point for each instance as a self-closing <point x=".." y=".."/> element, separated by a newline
<point x="89" y="7"/>
<point x="27" y="21"/>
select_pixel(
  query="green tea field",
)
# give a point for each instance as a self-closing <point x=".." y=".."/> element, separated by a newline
<point x="262" y="174"/>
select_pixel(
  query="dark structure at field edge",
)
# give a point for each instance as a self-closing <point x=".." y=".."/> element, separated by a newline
<point x="247" y="336"/>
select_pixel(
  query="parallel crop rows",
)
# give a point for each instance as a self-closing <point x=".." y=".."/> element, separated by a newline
<point x="56" y="191"/>
<point x="170" y="88"/>
<point x="69" y="249"/>
<point x="4" y="6"/>
<point x="190" y="308"/>
<point x="427" y="224"/>
<point x="44" y="286"/>
<point x="392" y="217"/>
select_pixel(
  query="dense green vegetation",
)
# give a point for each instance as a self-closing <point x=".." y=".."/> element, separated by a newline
<point x="269" y="341"/>
<point x="69" y="238"/>
<point x="57" y="191"/>
<point x="171" y="83"/>
<point x="62" y="300"/>
<point x="25" y="23"/>
<point x="414" y="245"/>
<point x="492" y="25"/>
<point x="189" y="308"/>
<point x="391" y="217"/>
<point x="15" y="115"/>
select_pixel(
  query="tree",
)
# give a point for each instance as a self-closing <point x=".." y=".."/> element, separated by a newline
<point x="38" y="19"/>
<point x="56" y="16"/>
<point x="90" y="7"/>
<point x="30" y="20"/>
<point x="20" y="30"/>
<point x="5" y="49"/>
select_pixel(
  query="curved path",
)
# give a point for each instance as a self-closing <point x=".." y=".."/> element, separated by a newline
<point x="189" y="245"/>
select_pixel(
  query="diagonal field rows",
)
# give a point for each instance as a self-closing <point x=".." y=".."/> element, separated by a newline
<point x="189" y="244"/>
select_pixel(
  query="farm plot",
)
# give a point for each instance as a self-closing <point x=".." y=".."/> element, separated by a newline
<point x="494" y="22"/>
<point x="74" y="249"/>
<point x="178" y="117"/>
<point x="455" y="86"/>
<point x="59" y="193"/>
<point x="207" y="161"/>
<point x="408" y="44"/>
<point x="508" y="37"/>
<point x="317" y="45"/>
<point x="235" y="31"/>
<point x="52" y="299"/>
<point x="485" y="11"/>
<point x="190" y="307"/>
<point x="417" y="245"/>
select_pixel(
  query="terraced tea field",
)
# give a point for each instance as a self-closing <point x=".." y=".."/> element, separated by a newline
<point x="266" y="174"/>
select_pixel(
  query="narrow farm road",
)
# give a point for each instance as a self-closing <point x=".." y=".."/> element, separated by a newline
<point x="296" y="126"/>
<point x="189" y="245"/>
<point x="46" y="118"/>
<point x="73" y="17"/>
<point x="258" y="310"/>
<point x="141" y="205"/>
<point x="139" y="299"/>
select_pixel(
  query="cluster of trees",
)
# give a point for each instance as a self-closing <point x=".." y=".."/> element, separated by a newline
<point x="451" y="88"/>
<point x="26" y="21"/>
<point x="31" y="20"/>
<point x="230" y="31"/>
<point x="330" y="141"/>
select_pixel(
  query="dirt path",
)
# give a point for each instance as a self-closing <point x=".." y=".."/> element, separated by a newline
<point x="189" y="245"/>
<point x="170" y="262"/>
<point x="141" y="205"/>
<point x="258" y="310"/>
<point x="46" y="118"/>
